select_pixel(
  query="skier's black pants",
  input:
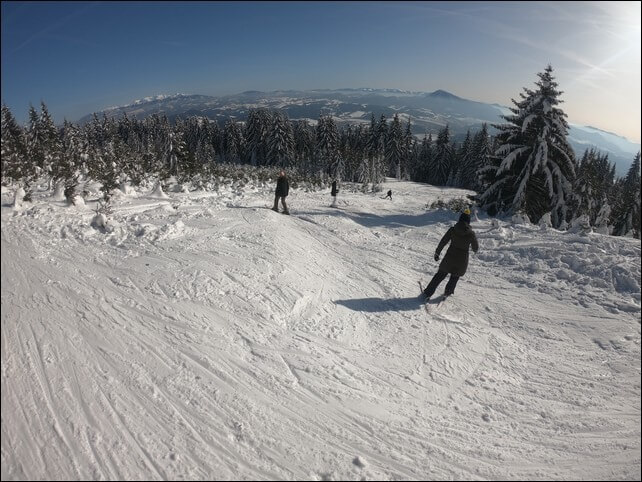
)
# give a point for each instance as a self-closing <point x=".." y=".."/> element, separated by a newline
<point x="437" y="279"/>
<point x="276" y="202"/>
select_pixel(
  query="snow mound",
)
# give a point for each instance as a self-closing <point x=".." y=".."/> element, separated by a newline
<point x="158" y="193"/>
<point x="586" y="267"/>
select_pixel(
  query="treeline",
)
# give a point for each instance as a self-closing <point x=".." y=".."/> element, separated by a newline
<point x="527" y="168"/>
<point x="114" y="151"/>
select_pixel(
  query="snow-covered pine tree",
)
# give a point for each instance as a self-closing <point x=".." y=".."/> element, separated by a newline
<point x="15" y="165"/>
<point x="626" y="212"/>
<point x="256" y="131"/>
<point x="361" y="172"/>
<point x="394" y="148"/>
<point x="351" y="151"/>
<point x="408" y="158"/>
<point x="91" y="132"/>
<point x="304" y="140"/>
<point x="124" y="128"/>
<point x="71" y="160"/>
<point x="345" y="150"/>
<point x="453" y="172"/>
<point x="185" y="165"/>
<point x="465" y="173"/>
<point x="109" y="171"/>
<point x="204" y="150"/>
<point x="52" y="147"/>
<point x="159" y="145"/>
<point x="146" y="153"/>
<point x="217" y="140"/>
<point x="379" y="168"/>
<point x="414" y="159"/>
<point x="601" y="223"/>
<point x="371" y="146"/>
<point x="233" y="142"/>
<point x="442" y="158"/>
<point x="537" y="162"/>
<point x="424" y="161"/>
<point x="583" y="196"/>
<point x="593" y="180"/>
<point x="481" y="152"/>
<point x="280" y="141"/>
<point x="132" y="134"/>
<point x="35" y="152"/>
<point x="327" y="144"/>
<point x="337" y="169"/>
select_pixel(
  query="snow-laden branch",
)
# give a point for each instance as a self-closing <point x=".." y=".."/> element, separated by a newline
<point x="508" y="161"/>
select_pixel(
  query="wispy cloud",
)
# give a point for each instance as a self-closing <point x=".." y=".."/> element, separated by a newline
<point x="508" y="32"/>
<point x="586" y="17"/>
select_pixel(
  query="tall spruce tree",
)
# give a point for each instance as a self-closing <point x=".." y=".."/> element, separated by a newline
<point x="71" y="160"/>
<point x="442" y="158"/>
<point x="408" y="158"/>
<point x="52" y="147"/>
<point x="481" y="151"/>
<point x="256" y="130"/>
<point x="626" y="212"/>
<point x="537" y="163"/>
<point x="204" y="149"/>
<point x="379" y="169"/>
<point x="593" y="180"/>
<point x="366" y="171"/>
<point x="108" y="170"/>
<point x="15" y="165"/>
<point x="465" y="172"/>
<point x="304" y="140"/>
<point x="424" y="163"/>
<point x="327" y="144"/>
<point x="280" y="141"/>
<point x="233" y="142"/>
<point x="394" y="148"/>
<point x="35" y="152"/>
<point x="185" y="165"/>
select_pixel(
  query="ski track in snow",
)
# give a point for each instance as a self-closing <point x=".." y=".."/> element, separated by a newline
<point x="204" y="336"/>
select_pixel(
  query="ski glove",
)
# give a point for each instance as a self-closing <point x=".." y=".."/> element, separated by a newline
<point x="436" y="257"/>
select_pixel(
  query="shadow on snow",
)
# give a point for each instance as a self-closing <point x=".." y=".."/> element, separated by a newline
<point x="381" y="304"/>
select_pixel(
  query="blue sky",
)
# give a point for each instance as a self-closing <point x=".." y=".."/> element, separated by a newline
<point x="81" y="57"/>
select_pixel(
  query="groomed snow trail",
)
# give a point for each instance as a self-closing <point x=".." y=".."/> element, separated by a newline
<point x="205" y="336"/>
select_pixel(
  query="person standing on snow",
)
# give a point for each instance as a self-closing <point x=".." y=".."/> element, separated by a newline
<point x="333" y="193"/>
<point x="389" y="195"/>
<point x="461" y="237"/>
<point x="282" y="189"/>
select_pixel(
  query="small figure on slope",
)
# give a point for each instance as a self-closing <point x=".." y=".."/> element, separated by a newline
<point x="461" y="237"/>
<point x="282" y="189"/>
<point x="333" y="193"/>
<point x="389" y="195"/>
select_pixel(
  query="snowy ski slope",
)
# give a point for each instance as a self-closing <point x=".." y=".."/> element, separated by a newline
<point x="203" y="336"/>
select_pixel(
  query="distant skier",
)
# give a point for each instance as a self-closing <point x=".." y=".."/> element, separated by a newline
<point x="461" y="238"/>
<point x="389" y="195"/>
<point x="282" y="189"/>
<point x="333" y="193"/>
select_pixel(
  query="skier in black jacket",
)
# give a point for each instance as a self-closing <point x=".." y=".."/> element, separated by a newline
<point x="282" y="189"/>
<point x="461" y="238"/>
<point x="333" y="193"/>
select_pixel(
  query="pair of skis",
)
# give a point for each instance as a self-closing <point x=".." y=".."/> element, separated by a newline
<point x="434" y="303"/>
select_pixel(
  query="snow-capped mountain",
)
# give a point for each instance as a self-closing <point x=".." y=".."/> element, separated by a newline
<point x="427" y="111"/>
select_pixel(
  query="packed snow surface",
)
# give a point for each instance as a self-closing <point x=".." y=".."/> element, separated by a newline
<point x="204" y="336"/>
